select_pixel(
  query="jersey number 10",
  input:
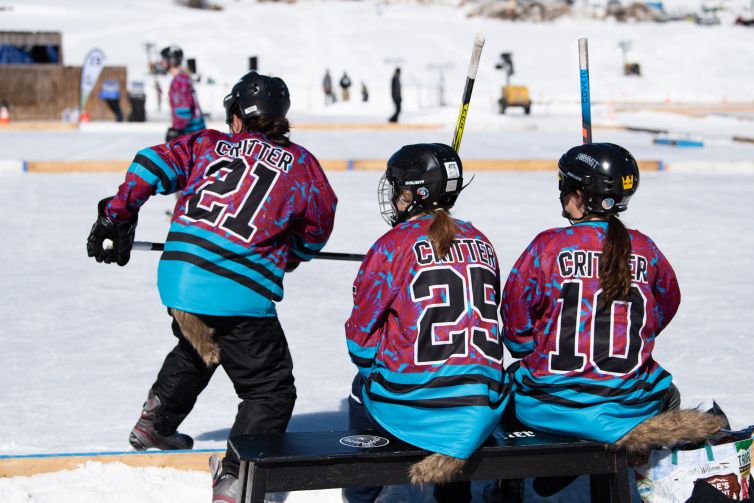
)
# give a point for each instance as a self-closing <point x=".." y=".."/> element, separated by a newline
<point x="604" y="328"/>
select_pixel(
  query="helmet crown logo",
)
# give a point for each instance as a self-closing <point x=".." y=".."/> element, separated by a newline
<point x="628" y="182"/>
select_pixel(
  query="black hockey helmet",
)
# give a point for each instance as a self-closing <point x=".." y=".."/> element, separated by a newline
<point x="606" y="173"/>
<point x="173" y="54"/>
<point x="431" y="172"/>
<point x="255" y="95"/>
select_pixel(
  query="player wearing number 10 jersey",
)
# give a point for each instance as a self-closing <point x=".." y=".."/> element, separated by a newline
<point x="424" y="331"/>
<point x="582" y="308"/>
<point x="252" y="206"/>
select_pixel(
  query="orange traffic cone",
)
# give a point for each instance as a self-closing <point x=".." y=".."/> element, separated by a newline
<point x="4" y="114"/>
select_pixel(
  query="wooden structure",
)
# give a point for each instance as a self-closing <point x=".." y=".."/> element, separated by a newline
<point x="42" y="91"/>
<point x="322" y="460"/>
<point x="24" y="466"/>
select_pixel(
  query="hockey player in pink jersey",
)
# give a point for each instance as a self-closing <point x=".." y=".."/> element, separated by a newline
<point x="582" y="308"/>
<point x="184" y="107"/>
<point x="424" y="331"/>
<point x="252" y="205"/>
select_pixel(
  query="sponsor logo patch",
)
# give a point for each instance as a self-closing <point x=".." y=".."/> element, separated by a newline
<point x="645" y="487"/>
<point x="608" y="203"/>
<point x="364" y="441"/>
<point x="422" y="192"/>
<point x="592" y="162"/>
<point x="452" y="169"/>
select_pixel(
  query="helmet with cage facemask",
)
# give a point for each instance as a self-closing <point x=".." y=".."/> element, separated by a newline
<point x="425" y="176"/>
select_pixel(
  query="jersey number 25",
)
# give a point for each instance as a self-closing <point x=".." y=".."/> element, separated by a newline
<point x="478" y="289"/>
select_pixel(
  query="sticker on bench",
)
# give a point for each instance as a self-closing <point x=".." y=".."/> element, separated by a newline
<point x="364" y="441"/>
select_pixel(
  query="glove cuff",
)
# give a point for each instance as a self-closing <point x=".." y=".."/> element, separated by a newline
<point x="102" y="212"/>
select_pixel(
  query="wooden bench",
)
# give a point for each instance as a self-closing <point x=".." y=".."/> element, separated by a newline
<point x="323" y="460"/>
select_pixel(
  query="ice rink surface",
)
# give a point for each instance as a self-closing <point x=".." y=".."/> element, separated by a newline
<point x="83" y="341"/>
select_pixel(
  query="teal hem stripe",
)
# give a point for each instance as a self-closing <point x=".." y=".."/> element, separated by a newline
<point x="367" y="353"/>
<point x="444" y="371"/>
<point x="460" y="390"/>
<point x="565" y="380"/>
<point x="229" y="245"/>
<point x="227" y="264"/>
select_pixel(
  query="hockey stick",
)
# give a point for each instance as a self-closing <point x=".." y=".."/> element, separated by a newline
<point x="586" y="104"/>
<point x="356" y="257"/>
<point x="476" y="53"/>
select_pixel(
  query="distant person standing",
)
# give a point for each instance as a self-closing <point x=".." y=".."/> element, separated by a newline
<point x="364" y="92"/>
<point x="187" y="116"/>
<point x="345" y="83"/>
<point x="158" y="90"/>
<point x="327" y="88"/>
<point x="395" y="92"/>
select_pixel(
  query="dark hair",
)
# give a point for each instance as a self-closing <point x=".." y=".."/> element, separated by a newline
<point x="442" y="232"/>
<point x="615" y="269"/>
<point x="276" y="129"/>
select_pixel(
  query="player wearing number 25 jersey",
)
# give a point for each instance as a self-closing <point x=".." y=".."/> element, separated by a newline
<point x="583" y="305"/>
<point x="424" y="331"/>
<point x="252" y="206"/>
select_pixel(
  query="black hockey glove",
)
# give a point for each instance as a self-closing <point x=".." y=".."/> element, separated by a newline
<point x="172" y="134"/>
<point x="121" y="235"/>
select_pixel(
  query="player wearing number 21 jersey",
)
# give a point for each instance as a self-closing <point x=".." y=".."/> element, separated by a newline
<point x="248" y="208"/>
<point x="252" y="205"/>
<point x="584" y="304"/>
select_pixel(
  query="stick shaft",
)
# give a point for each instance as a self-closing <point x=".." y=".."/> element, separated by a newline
<point x="355" y="257"/>
<point x="586" y="104"/>
<point x="468" y="88"/>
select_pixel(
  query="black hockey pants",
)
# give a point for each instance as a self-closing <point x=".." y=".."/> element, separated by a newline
<point x="254" y="354"/>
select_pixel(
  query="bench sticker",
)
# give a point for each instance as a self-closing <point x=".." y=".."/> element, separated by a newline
<point x="364" y="441"/>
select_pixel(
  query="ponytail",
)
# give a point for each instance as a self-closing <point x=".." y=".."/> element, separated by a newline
<point x="442" y="232"/>
<point x="615" y="270"/>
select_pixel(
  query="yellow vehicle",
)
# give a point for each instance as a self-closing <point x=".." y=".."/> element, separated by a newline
<point x="515" y="96"/>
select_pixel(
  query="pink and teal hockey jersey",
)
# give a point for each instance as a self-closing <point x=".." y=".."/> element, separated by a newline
<point x="186" y="113"/>
<point x="425" y="334"/>
<point x="586" y="371"/>
<point x="247" y="209"/>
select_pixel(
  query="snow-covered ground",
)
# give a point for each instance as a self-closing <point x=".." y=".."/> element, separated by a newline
<point x="81" y="342"/>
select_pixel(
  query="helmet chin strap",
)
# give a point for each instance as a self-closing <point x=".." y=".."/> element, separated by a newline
<point x="402" y="216"/>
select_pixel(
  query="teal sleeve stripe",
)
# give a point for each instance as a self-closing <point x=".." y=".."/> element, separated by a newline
<point x="303" y="249"/>
<point x="367" y="353"/>
<point x="183" y="113"/>
<point x="147" y="176"/>
<point x="170" y="169"/>
<point x="181" y="246"/>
